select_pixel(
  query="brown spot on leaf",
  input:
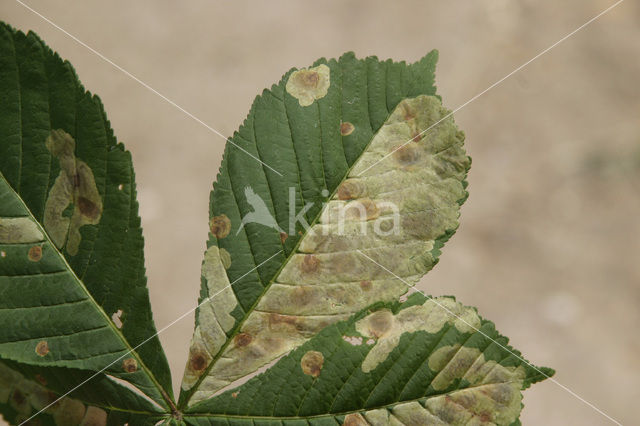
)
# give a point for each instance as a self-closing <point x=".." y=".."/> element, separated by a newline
<point x="346" y="128"/>
<point x="290" y="322"/>
<point x="365" y="285"/>
<point x="354" y="419"/>
<point x="130" y="365"/>
<point x="407" y="154"/>
<point x="220" y="226"/>
<point x="380" y="322"/>
<point x="35" y="253"/>
<point x="242" y="339"/>
<point x="88" y="208"/>
<point x="363" y="209"/>
<point x="311" y="363"/>
<point x="234" y="395"/>
<point x="350" y="189"/>
<point x="309" y="79"/>
<point x="42" y="348"/>
<point x="283" y="237"/>
<point x="310" y="263"/>
<point x="198" y="361"/>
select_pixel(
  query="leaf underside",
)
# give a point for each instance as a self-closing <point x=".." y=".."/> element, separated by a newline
<point x="361" y="182"/>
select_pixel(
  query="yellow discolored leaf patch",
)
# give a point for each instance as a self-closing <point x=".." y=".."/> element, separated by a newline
<point x="388" y="328"/>
<point x="19" y="230"/>
<point x="75" y="185"/>
<point x="307" y="85"/>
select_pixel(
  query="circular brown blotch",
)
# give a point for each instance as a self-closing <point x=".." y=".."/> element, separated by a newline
<point x="234" y="395"/>
<point x="220" y="226"/>
<point x="310" y="263"/>
<point x="350" y="189"/>
<point x="198" y="361"/>
<point x="35" y="253"/>
<point x="380" y="322"/>
<point x="354" y="419"/>
<point x="88" y="208"/>
<point x="242" y="339"/>
<point x="130" y="365"/>
<point x="42" y="348"/>
<point x="306" y="78"/>
<point x="364" y="209"/>
<point x="283" y="237"/>
<point x="311" y="363"/>
<point x="407" y="154"/>
<point x="365" y="285"/>
<point x="346" y="128"/>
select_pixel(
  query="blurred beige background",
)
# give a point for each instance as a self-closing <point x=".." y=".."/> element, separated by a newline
<point x="549" y="244"/>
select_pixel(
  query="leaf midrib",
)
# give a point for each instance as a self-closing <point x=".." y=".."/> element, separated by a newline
<point x="169" y="403"/>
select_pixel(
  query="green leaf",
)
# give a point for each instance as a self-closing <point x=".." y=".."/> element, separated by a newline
<point x="25" y="390"/>
<point x="426" y="361"/>
<point x="321" y="128"/>
<point x="70" y="239"/>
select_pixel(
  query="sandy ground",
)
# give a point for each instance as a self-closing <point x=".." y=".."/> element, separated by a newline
<point x="548" y="246"/>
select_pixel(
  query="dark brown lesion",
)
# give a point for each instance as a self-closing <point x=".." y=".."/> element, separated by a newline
<point x="407" y="154"/>
<point x="35" y="253"/>
<point x="88" y="208"/>
<point x="311" y="363"/>
<point x="310" y="264"/>
<point x="42" y="348"/>
<point x="242" y="339"/>
<point x="346" y="128"/>
<point x="220" y="226"/>
<point x="130" y="365"/>
<point x="308" y="79"/>
<point x="350" y="189"/>
<point x="198" y="362"/>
